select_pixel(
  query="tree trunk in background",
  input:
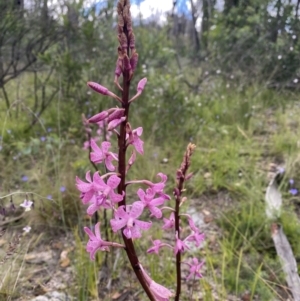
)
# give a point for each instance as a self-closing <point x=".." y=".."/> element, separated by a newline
<point x="229" y="4"/>
<point x="195" y="33"/>
<point x="207" y="9"/>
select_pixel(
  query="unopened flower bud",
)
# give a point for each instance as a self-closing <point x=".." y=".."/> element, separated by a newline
<point x="176" y="192"/>
<point x="98" y="117"/>
<point x="183" y="200"/>
<point x="114" y="123"/>
<point x="126" y="61"/>
<point x="123" y="41"/>
<point x="98" y="88"/>
<point x="128" y="128"/>
<point x="134" y="60"/>
<point x="179" y="174"/>
<point x="117" y="114"/>
<point x="119" y="65"/>
<point x="132" y="158"/>
<point x="131" y="40"/>
<point x="102" y="90"/>
<point x="189" y="176"/>
<point x="141" y="85"/>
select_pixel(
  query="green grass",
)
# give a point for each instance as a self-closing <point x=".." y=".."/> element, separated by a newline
<point x="238" y="135"/>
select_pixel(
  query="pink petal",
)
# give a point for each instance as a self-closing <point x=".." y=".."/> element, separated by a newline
<point x="139" y="131"/>
<point x="135" y="232"/>
<point x="136" y="210"/>
<point x="157" y="201"/>
<point x="82" y="186"/>
<point x="113" y="181"/>
<point x="87" y="196"/>
<point x="128" y="232"/>
<point x="96" y="156"/>
<point x="88" y="176"/>
<point x="156" y="212"/>
<point x="115" y="197"/>
<point x="163" y="177"/>
<point x="141" y="193"/>
<point x="117" y="224"/>
<point x="89" y="232"/>
<point x="105" y="146"/>
<point x="138" y="143"/>
<point x="121" y="213"/>
<point x="98" y="181"/>
<point x="143" y="225"/>
<point x="108" y="163"/>
<point x="92" y="209"/>
<point x="97" y="231"/>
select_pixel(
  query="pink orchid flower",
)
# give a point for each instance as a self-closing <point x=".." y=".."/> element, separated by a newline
<point x="157" y="245"/>
<point x="98" y="193"/>
<point x="133" y="138"/>
<point x="195" y="267"/>
<point x="196" y="236"/>
<point x="148" y="200"/>
<point x="102" y="154"/>
<point x="96" y="243"/>
<point x="180" y="245"/>
<point x="159" y="187"/>
<point x="169" y="223"/>
<point x="128" y="220"/>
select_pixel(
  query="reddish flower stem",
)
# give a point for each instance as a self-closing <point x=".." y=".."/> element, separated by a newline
<point x="181" y="177"/>
<point x="130" y="250"/>
<point x="177" y="229"/>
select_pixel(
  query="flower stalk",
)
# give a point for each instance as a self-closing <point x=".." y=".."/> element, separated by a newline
<point x="180" y="177"/>
<point x="108" y="191"/>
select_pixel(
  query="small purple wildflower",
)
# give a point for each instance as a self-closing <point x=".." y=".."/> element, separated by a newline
<point x="24" y="178"/>
<point x="291" y="181"/>
<point x="49" y="197"/>
<point x="62" y="189"/>
<point x="293" y="191"/>
<point x="43" y="138"/>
